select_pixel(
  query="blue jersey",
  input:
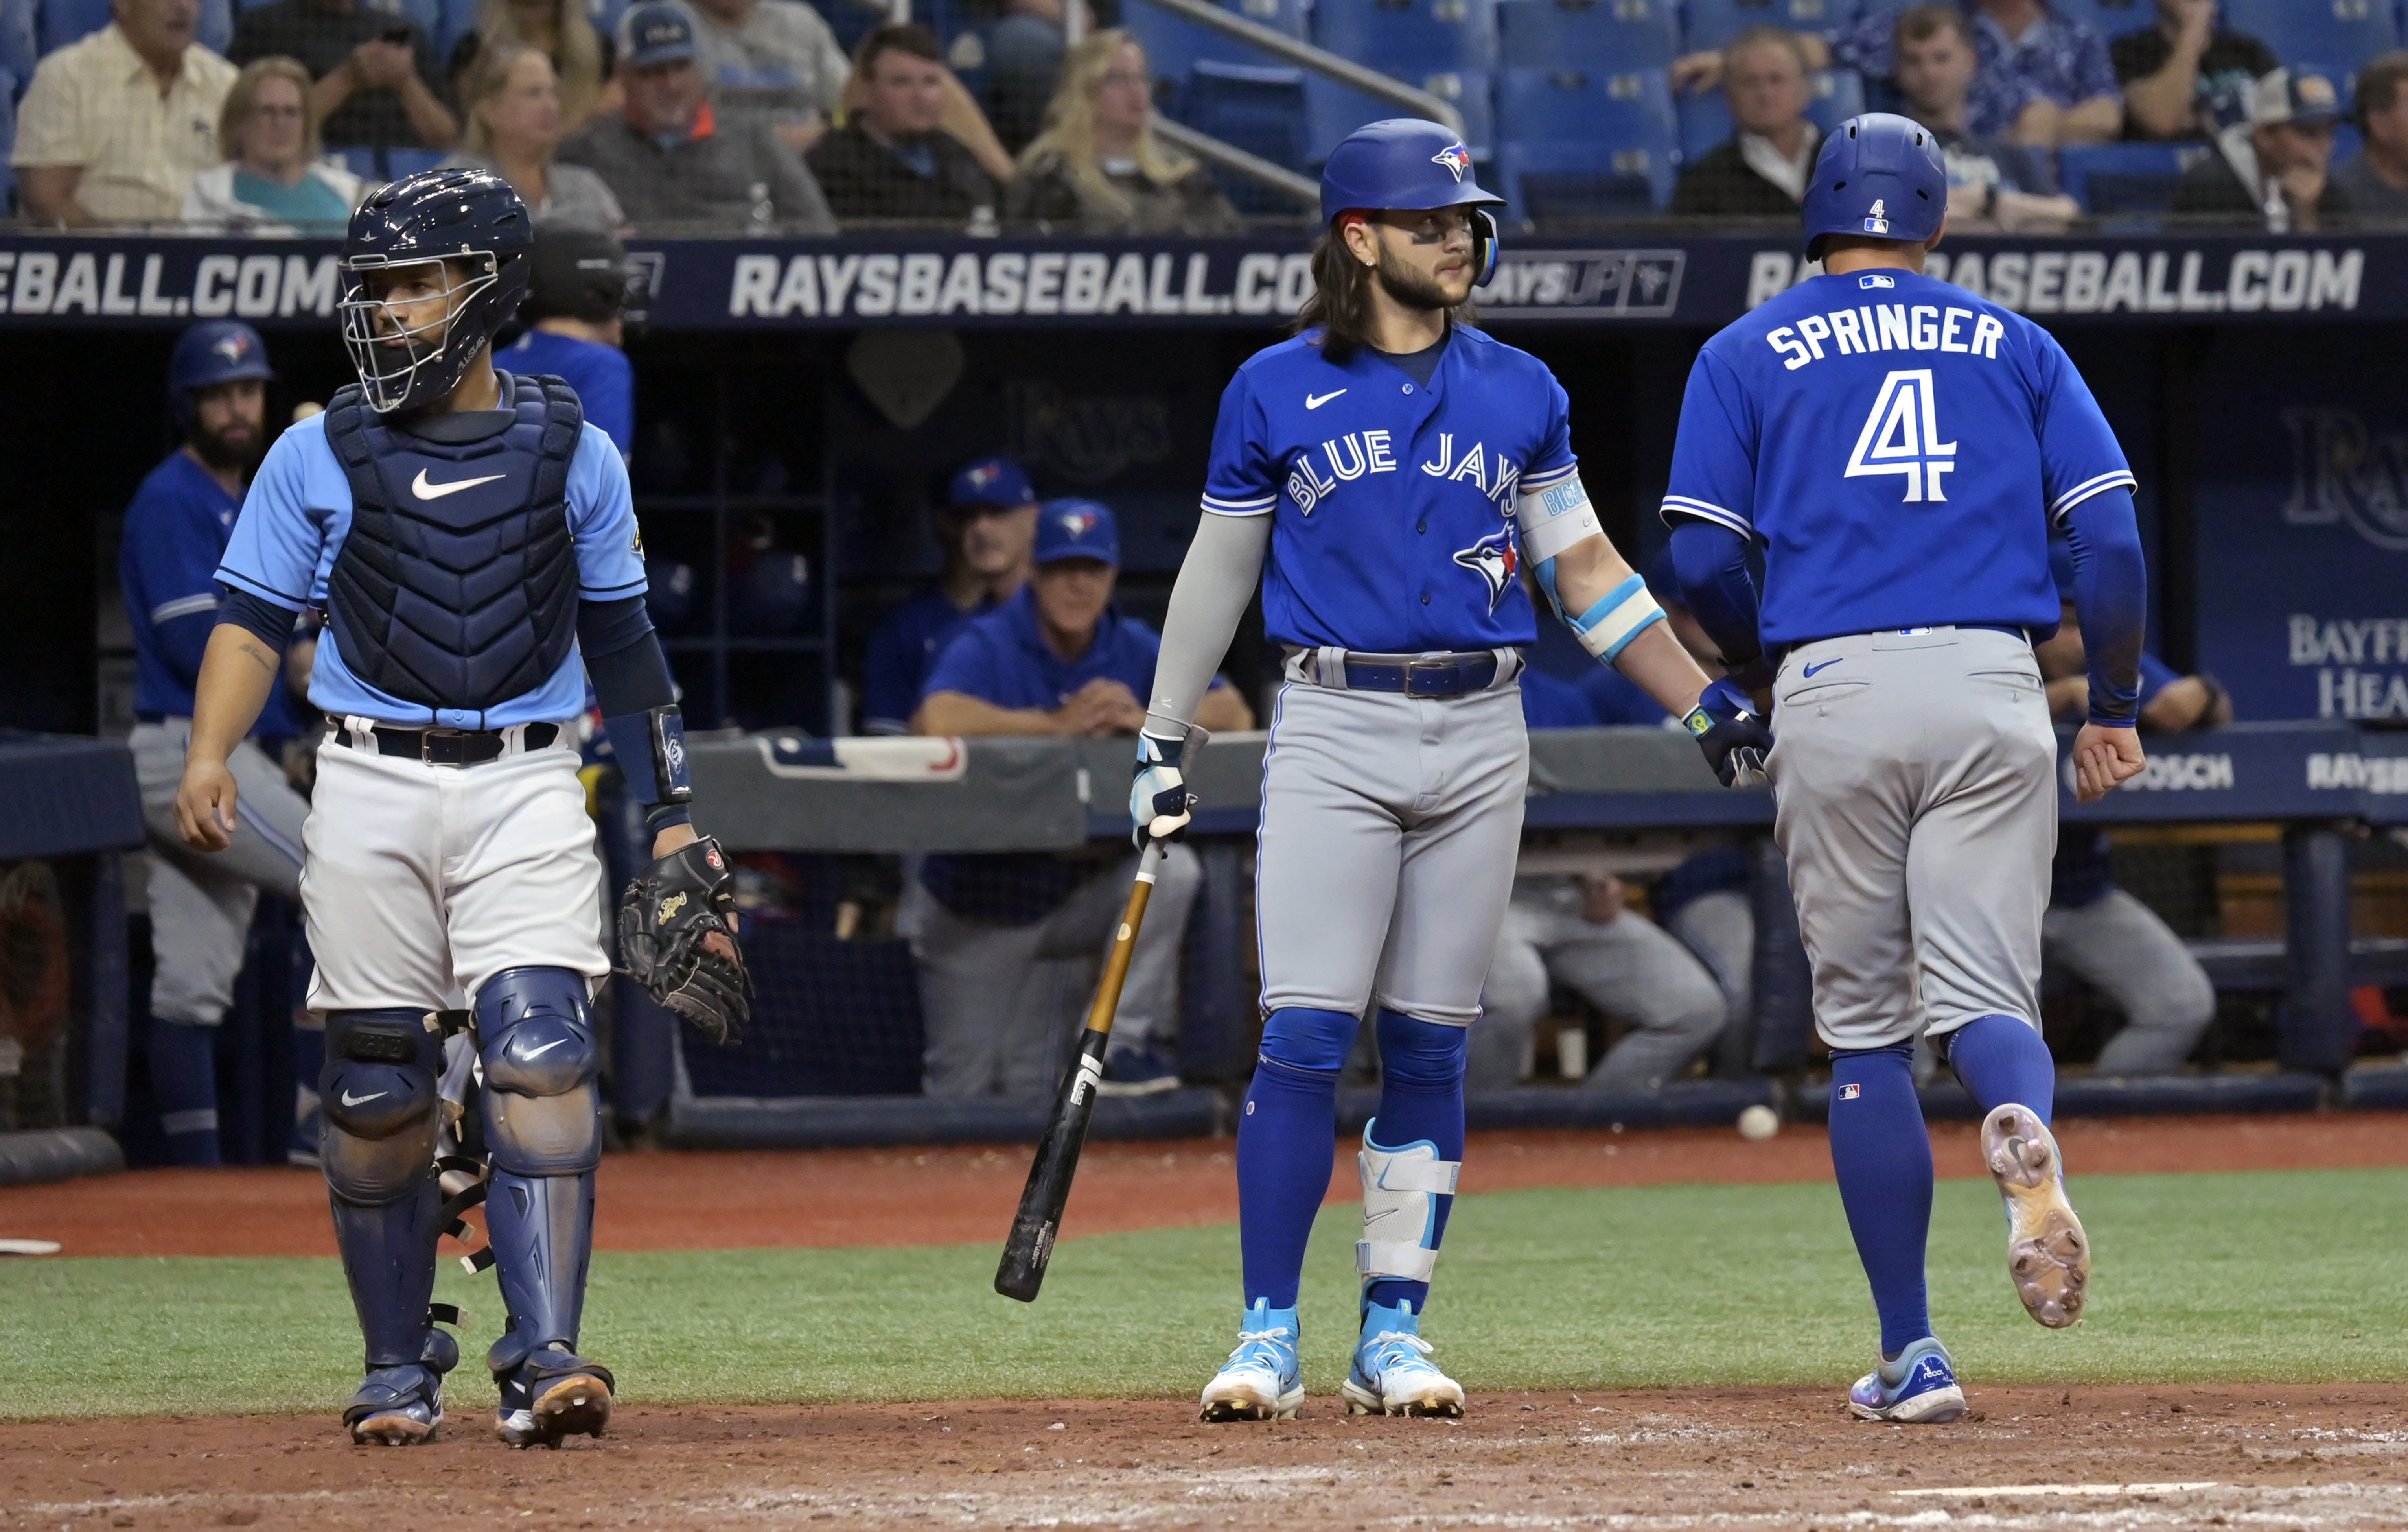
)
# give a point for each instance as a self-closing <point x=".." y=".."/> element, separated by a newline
<point x="176" y="531"/>
<point x="604" y="379"/>
<point x="1003" y="659"/>
<point x="1394" y="501"/>
<point x="901" y="653"/>
<point x="299" y="511"/>
<point x="1900" y="449"/>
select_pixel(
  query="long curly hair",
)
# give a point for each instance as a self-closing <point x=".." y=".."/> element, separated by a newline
<point x="1069" y="135"/>
<point x="1339" y="305"/>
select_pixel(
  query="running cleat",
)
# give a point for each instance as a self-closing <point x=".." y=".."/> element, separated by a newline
<point x="1262" y="1381"/>
<point x="401" y="1407"/>
<point x="1392" y="1373"/>
<point x="552" y="1394"/>
<point x="2047" y="1254"/>
<point x="1919" y="1388"/>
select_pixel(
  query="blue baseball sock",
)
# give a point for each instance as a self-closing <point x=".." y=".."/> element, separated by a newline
<point x="1288" y="1146"/>
<point x="1421" y="1097"/>
<point x="2001" y="1059"/>
<point x="1882" y="1158"/>
<point x="184" y="1082"/>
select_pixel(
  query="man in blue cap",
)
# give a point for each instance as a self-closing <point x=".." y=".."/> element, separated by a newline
<point x="1008" y="943"/>
<point x="986" y="526"/>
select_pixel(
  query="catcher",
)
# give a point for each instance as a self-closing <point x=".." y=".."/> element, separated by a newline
<point x="473" y="544"/>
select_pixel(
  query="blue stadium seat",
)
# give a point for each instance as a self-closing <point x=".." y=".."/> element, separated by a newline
<point x="1416" y="36"/>
<point x="1333" y="111"/>
<point x="2345" y="33"/>
<point x="1172" y="44"/>
<point x="2109" y="179"/>
<point x="360" y="161"/>
<point x="20" y="50"/>
<point x="1710" y="23"/>
<point x="604" y="15"/>
<point x="409" y="161"/>
<point x="1623" y="120"/>
<point x="850" y="20"/>
<point x="1257" y="109"/>
<point x="1549" y="184"/>
<point x="455" y="19"/>
<point x="1584" y="34"/>
<point x="1706" y="119"/>
<point x="2114" y="18"/>
<point x="59" y="22"/>
<point x="216" y="26"/>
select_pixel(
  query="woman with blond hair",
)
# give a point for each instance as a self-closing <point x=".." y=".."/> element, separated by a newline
<point x="1099" y="168"/>
<point x="511" y="101"/>
<point x="560" y="31"/>
<point x="272" y="179"/>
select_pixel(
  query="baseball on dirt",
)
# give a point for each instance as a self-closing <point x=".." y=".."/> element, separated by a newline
<point x="1758" y="1124"/>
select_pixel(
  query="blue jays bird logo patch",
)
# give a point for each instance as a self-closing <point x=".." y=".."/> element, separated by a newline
<point x="1077" y="522"/>
<point x="1495" y="560"/>
<point x="1457" y="159"/>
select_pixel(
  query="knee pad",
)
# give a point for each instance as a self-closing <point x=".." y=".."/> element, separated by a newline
<point x="543" y="1114"/>
<point x="1301" y="1039"/>
<point x="377" y="1089"/>
<point x="1401" y="1191"/>
<point x="1430" y="1054"/>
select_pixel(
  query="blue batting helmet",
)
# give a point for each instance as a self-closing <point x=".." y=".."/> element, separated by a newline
<point x="1881" y="176"/>
<point x="1413" y="164"/>
<point x="221" y="351"/>
<point x="473" y="217"/>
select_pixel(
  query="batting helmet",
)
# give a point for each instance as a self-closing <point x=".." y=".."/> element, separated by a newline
<point x="1878" y="175"/>
<point x="222" y="351"/>
<point x="1408" y="164"/>
<point x="470" y="216"/>
<point x="578" y="274"/>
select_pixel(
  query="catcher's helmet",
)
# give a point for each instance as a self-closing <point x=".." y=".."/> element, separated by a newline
<point x="1879" y="175"/>
<point x="470" y="216"/>
<point x="219" y="351"/>
<point x="1410" y="163"/>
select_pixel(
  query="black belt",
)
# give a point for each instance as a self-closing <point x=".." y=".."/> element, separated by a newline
<point x="1419" y="676"/>
<point x="449" y="747"/>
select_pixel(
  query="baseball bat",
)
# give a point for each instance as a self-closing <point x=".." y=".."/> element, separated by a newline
<point x="1030" y="1245"/>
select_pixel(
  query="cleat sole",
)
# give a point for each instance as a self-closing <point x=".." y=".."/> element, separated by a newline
<point x="1362" y="1401"/>
<point x="1937" y="1408"/>
<point x="577" y="1406"/>
<point x="395" y="1430"/>
<point x="2048" y="1253"/>
<point x="1249" y="1406"/>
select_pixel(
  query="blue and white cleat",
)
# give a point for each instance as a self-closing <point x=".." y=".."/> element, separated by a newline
<point x="401" y="1407"/>
<point x="1919" y="1388"/>
<point x="1393" y="1374"/>
<point x="1262" y="1381"/>
<point x="2048" y="1255"/>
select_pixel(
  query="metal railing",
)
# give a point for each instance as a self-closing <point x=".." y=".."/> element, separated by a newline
<point x="1229" y="157"/>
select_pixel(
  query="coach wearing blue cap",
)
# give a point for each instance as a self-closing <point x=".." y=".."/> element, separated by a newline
<point x="201" y="903"/>
<point x="1007" y="944"/>
<point x="987" y="524"/>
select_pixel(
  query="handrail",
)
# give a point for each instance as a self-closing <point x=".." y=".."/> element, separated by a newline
<point x="1229" y="157"/>
<point x="1319" y="60"/>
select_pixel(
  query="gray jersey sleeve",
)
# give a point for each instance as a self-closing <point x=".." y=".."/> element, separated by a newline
<point x="1216" y="583"/>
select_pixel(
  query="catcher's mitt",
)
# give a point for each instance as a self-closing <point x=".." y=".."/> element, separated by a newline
<point x="665" y="916"/>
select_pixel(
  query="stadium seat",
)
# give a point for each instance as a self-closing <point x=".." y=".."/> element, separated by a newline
<point x="455" y="19"/>
<point x="1172" y="44"/>
<point x="604" y="15"/>
<point x="59" y="22"/>
<point x="19" y="49"/>
<point x="1584" y="34"/>
<point x="216" y="26"/>
<point x="1257" y="109"/>
<point x="2114" y="18"/>
<point x="360" y="161"/>
<point x="2345" y="33"/>
<point x="1406" y="37"/>
<point x="409" y="161"/>
<point x="1333" y="111"/>
<point x="1549" y="183"/>
<point x="1629" y="117"/>
<point x="2108" y="179"/>
<point x="1710" y="23"/>
<point x="1706" y="119"/>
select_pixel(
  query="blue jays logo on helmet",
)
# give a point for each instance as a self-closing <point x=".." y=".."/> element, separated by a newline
<point x="233" y="347"/>
<point x="1496" y="560"/>
<point x="983" y="476"/>
<point x="1456" y="158"/>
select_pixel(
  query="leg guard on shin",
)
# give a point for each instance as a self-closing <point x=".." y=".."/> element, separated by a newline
<point x="1409" y="1190"/>
<point x="184" y="1081"/>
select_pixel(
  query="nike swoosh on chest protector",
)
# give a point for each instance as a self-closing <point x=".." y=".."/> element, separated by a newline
<point x="424" y="491"/>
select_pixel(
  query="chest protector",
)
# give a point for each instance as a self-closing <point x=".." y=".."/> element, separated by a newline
<point x="457" y="585"/>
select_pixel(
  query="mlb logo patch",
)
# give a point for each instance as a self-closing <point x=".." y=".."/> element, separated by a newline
<point x="1850" y="1093"/>
<point x="1875" y="279"/>
<point x="1877" y="221"/>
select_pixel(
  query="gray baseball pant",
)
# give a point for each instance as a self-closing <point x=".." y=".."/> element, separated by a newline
<point x="2119" y="944"/>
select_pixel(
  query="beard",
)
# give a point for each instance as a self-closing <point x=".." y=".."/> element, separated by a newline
<point x="1410" y="286"/>
<point x="229" y="452"/>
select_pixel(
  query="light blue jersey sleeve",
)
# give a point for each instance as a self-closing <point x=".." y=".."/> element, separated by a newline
<point x="602" y="521"/>
<point x="1713" y="458"/>
<point x="1242" y="479"/>
<point x="274" y="552"/>
<point x="2079" y="454"/>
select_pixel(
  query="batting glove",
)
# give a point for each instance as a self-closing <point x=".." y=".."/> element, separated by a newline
<point x="1726" y="727"/>
<point x="1159" y="801"/>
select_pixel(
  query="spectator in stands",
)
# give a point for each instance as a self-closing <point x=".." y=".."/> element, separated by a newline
<point x="115" y="126"/>
<point x="581" y="57"/>
<point x="273" y="180"/>
<point x="987" y="527"/>
<point x="669" y="159"/>
<point x="892" y="159"/>
<point x="1099" y="168"/>
<point x="373" y="70"/>
<point x="2181" y="75"/>
<point x="512" y="102"/>
<point x="2376" y="181"/>
<point x="1991" y="185"/>
<point x="1007" y="943"/>
<point x="1762" y="169"/>
<point x="1577" y="930"/>
<point x="775" y="58"/>
<point x="1023" y="59"/>
<point x="575" y="294"/>
<point x="2043" y="78"/>
<point x="2094" y="930"/>
<point x="2274" y="167"/>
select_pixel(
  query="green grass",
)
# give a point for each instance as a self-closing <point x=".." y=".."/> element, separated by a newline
<point x="2291" y="1276"/>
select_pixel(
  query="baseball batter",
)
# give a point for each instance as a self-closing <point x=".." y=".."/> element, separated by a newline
<point x="1381" y="475"/>
<point x="1899" y="449"/>
<point x="466" y="534"/>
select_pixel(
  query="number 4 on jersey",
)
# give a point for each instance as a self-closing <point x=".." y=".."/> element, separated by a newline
<point x="1902" y="436"/>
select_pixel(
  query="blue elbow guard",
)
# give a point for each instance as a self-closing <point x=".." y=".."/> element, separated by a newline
<point x="1622" y="614"/>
